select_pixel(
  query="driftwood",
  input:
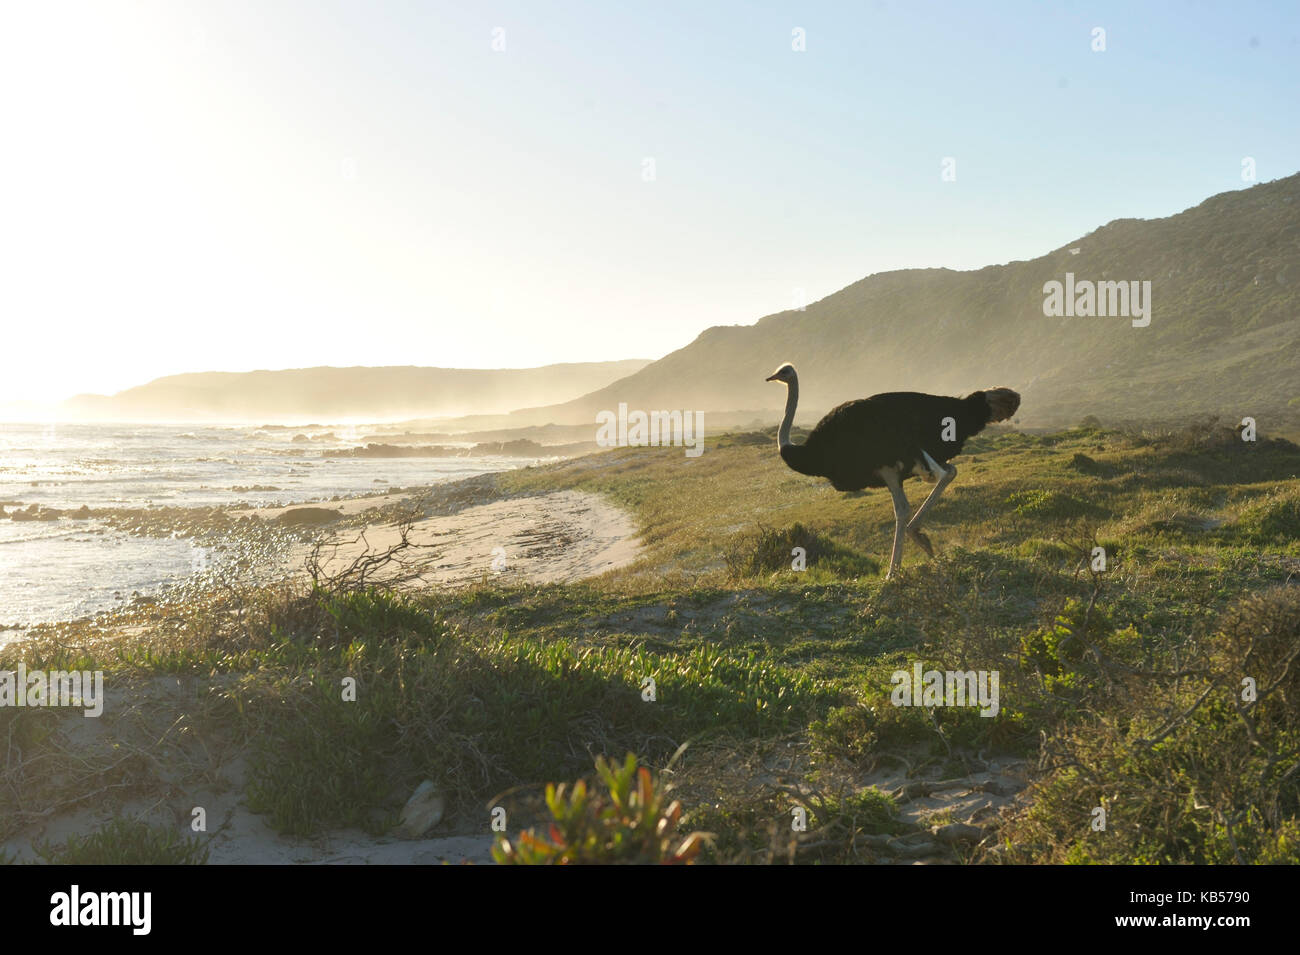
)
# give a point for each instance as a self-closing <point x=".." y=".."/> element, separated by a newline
<point x="388" y="569"/>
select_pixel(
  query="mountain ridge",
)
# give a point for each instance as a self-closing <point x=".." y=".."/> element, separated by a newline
<point x="1224" y="336"/>
<point x="358" y="391"/>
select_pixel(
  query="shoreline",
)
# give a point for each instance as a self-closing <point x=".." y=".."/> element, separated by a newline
<point x="560" y="536"/>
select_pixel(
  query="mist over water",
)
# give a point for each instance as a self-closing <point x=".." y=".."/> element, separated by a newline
<point x="65" y="569"/>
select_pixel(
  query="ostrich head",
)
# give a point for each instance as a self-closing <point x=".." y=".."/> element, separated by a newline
<point x="784" y="374"/>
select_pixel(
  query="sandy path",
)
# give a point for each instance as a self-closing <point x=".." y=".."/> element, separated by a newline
<point x="548" y="538"/>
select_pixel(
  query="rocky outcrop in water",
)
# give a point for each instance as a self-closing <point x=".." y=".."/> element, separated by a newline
<point x="34" y="512"/>
<point x="38" y="512"/>
<point x="520" y="448"/>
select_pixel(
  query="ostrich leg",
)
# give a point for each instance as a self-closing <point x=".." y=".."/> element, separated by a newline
<point x="901" y="509"/>
<point x="945" y="474"/>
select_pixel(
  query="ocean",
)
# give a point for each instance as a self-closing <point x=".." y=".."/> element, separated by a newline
<point x="52" y="571"/>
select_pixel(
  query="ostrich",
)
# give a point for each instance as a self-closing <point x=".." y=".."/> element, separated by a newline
<point x="883" y="440"/>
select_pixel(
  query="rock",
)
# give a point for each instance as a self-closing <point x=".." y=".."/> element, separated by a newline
<point x="956" y="832"/>
<point x="308" y="515"/>
<point x="422" y="811"/>
<point x="520" y="446"/>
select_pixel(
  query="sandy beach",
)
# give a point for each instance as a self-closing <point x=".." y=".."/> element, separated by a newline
<point x="557" y="537"/>
<point x="458" y="536"/>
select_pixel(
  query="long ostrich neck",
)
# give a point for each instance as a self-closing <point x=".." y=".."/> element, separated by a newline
<point x="791" y="399"/>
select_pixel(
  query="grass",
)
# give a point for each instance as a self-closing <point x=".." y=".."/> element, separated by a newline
<point x="777" y="679"/>
<point x="125" y="842"/>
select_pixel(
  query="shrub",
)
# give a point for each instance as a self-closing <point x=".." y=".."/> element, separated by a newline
<point x="479" y="715"/>
<point x="770" y="550"/>
<point x="847" y="733"/>
<point x="373" y="613"/>
<point x="1273" y="520"/>
<point x="1200" y="433"/>
<point x="626" y="823"/>
<point x="1188" y="767"/>
<point x="1059" y="652"/>
<point x="1261" y="637"/>
<point x="869" y="811"/>
<point x="1041" y="503"/>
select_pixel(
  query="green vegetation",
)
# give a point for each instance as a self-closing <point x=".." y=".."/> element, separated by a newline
<point x="126" y="842"/>
<point x="628" y="821"/>
<point x="1120" y="688"/>
<point x="772" y="551"/>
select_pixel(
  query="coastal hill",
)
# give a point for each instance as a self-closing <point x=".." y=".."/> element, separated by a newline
<point x="333" y="393"/>
<point x="1219" y="284"/>
<point x="1224" y="332"/>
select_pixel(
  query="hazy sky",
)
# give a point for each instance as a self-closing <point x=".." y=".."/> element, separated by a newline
<point x="229" y="186"/>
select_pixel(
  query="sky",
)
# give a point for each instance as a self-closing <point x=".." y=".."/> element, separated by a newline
<point x="227" y="186"/>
